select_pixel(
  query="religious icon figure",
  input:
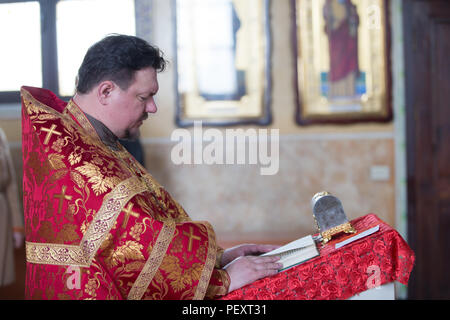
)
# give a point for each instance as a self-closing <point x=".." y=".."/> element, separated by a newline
<point x="341" y="28"/>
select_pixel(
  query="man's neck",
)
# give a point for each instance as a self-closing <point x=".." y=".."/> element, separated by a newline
<point x="105" y="134"/>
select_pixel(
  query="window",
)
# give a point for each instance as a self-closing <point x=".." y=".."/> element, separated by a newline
<point x="20" y="57"/>
<point x="87" y="21"/>
<point x="48" y="49"/>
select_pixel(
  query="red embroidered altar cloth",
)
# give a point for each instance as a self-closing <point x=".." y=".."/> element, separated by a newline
<point x="339" y="273"/>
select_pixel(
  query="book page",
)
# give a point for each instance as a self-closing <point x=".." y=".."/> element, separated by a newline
<point x="292" y="247"/>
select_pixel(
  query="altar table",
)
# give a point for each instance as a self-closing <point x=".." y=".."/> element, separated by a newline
<point x="376" y="260"/>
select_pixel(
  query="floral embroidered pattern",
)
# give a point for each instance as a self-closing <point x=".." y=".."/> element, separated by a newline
<point x="338" y="273"/>
<point x="94" y="236"/>
<point x="101" y="179"/>
<point x="131" y="250"/>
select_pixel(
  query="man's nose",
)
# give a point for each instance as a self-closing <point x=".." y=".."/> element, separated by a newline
<point x="151" y="107"/>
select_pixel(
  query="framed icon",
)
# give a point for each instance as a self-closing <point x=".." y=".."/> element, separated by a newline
<point x="223" y="62"/>
<point x="342" y="61"/>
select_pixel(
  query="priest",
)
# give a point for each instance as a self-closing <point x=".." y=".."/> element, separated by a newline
<point x="98" y="225"/>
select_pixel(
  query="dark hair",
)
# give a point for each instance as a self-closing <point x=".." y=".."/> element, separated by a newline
<point x="116" y="58"/>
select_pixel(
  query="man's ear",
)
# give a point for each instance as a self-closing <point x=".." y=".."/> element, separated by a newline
<point x="104" y="90"/>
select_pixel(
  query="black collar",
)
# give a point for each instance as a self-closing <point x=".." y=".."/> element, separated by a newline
<point x="106" y="135"/>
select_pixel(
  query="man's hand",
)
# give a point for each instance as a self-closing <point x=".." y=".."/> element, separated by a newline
<point x="246" y="269"/>
<point x="245" y="250"/>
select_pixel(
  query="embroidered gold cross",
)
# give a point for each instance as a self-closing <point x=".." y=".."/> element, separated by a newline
<point x="50" y="132"/>
<point x="128" y="211"/>
<point x="191" y="237"/>
<point x="62" y="197"/>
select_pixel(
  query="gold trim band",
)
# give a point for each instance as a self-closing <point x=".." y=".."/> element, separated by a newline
<point x="73" y="108"/>
<point x="55" y="254"/>
<point x="153" y="262"/>
<point x="104" y="220"/>
<point x="205" y="277"/>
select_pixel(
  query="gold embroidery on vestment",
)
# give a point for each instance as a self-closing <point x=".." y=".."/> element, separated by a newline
<point x="213" y="290"/>
<point x="62" y="196"/>
<point x="209" y="264"/>
<point x="81" y="118"/>
<point x="55" y="254"/>
<point x="56" y="161"/>
<point x="191" y="237"/>
<point x="100" y="182"/>
<point x="131" y="250"/>
<point x="112" y="205"/>
<point x="128" y="212"/>
<point x="99" y="228"/>
<point x="35" y="106"/>
<point x="153" y="262"/>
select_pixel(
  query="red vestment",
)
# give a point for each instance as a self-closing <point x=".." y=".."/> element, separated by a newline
<point x="98" y="226"/>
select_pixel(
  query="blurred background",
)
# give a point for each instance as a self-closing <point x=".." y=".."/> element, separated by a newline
<point x="376" y="136"/>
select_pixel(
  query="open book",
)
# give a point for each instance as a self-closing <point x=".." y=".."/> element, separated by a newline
<point x="295" y="252"/>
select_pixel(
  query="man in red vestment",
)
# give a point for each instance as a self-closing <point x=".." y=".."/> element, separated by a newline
<point x="98" y="225"/>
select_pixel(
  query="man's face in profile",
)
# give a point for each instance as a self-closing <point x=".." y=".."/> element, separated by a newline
<point x="131" y="106"/>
